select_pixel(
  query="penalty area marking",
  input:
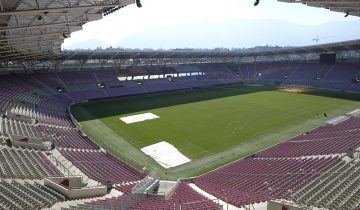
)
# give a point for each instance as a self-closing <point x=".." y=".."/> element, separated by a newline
<point x="138" y="118"/>
<point x="165" y="154"/>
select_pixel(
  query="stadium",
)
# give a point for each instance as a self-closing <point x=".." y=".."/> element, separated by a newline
<point x="274" y="129"/>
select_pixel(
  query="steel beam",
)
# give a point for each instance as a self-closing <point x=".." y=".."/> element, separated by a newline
<point x="6" y="39"/>
<point x="321" y="1"/>
<point x="67" y="9"/>
<point x="33" y="44"/>
<point x="31" y="49"/>
<point x="65" y="24"/>
<point x="14" y="57"/>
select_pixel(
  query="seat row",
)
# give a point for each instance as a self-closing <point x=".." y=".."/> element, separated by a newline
<point x="16" y="163"/>
<point x="254" y="180"/>
<point x="24" y="195"/>
<point x="60" y="136"/>
<point x="325" y="140"/>
<point x="337" y="188"/>
<point x="184" y="198"/>
<point x="101" y="166"/>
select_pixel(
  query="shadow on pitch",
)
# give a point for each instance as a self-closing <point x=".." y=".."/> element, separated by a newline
<point x="130" y="104"/>
<point x="333" y="94"/>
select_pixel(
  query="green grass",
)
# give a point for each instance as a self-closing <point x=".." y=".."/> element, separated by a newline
<point x="212" y="126"/>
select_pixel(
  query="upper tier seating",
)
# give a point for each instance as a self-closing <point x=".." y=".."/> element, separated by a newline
<point x="157" y="70"/>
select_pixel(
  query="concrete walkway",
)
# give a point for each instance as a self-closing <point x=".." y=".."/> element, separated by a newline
<point x="68" y="169"/>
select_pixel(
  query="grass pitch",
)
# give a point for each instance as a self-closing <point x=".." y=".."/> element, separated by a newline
<point x="211" y="126"/>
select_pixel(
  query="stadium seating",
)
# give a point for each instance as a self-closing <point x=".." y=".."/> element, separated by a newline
<point x="25" y="164"/>
<point x="126" y="188"/>
<point x="255" y="180"/>
<point x="184" y="198"/>
<point x="81" y="86"/>
<point x="107" y="76"/>
<point x="331" y="139"/>
<point x="338" y="188"/>
<point x="16" y="195"/>
<point x="157" y="70"/>
<point x="32" y="106"/>
<point x="61" y="136"/>
<point x="65" y="137"/>
<point x="102" y="167"/>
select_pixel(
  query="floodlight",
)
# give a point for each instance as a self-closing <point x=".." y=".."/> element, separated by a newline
<point x="138" y="3"/>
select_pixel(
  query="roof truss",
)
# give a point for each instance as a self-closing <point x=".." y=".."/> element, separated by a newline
<point x="31" y="26"/>
<point x="348" y="7"/>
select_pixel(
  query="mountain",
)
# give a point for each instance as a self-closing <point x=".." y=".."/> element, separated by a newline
<point x="89" y="44"/>
<point x="242" y="33"/>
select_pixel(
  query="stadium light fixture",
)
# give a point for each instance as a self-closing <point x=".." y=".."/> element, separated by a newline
<point x="138" y="3"/>
<point x="256" y="2"/>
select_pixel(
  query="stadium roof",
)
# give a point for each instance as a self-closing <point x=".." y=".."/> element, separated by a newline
<point x="164" y="54"/>
<point x="35" y="29"/>
<point x="349" y="7"/>
<point x="32" y="30"/>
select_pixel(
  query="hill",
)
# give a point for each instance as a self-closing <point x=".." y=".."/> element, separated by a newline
<point x="89" y="44"/>
<point x="239" y="34"/>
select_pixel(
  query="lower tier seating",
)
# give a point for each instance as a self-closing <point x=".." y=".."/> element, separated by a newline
<point x="184" y="197"/>
<point x="16" y="195"/>
<point x="102" y="167"/>
<point x="253" y="180"/>
<point x="338" y="188"/>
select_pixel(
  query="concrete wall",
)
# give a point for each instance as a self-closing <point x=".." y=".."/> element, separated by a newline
<point x="274" y="205"/>
<point x="19" y="117"/>
<point x="74" y="181"/>
<point x="75" y="193"/>
<point x="172" y="190"/>
<point x="75" y="122"/>
<point x="32" y="143"/>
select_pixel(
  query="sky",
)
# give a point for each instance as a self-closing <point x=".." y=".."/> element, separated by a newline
<point x="164" y="13"/>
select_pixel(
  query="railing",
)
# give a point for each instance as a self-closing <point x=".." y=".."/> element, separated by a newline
<point x="75" y="122"/>
<point x="172" y="191"/>
<point x="67" y="171"/>
<point x="129" y="202"/>
<point x="145" y="183"/>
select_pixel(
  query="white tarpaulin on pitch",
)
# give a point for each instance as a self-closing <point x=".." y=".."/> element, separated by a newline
<point x="356" y="112"/>
<point x="165" y="154"/>
<point x="138" y="118"/>
<point x="336" y="120"/>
